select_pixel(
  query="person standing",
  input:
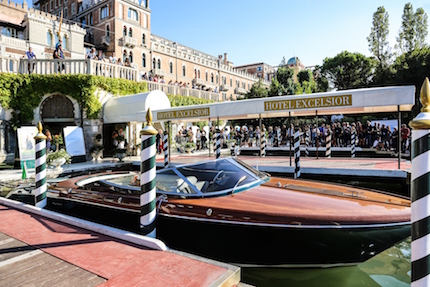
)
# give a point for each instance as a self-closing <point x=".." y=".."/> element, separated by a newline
<point x="30" y="56"/>
<point x="58" y="54"/>
<point x="404" y="132"/>
<point x="112" y="58"/>
<point x="48" y="139"/>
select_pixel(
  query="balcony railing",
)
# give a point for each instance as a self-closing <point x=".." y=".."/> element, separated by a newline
<point x="224" y="88"/>
<point x="106" y="40"/>
<point x="128" y="41"/>
<point x="98" y="68"/>
<point x="240" y="91"/>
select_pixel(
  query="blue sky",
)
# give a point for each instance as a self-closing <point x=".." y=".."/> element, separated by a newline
<point x="253" y="31"/>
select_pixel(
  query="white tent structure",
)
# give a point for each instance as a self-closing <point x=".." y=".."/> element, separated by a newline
<point x="359" y="101"/>
<point x="133" y="107"/>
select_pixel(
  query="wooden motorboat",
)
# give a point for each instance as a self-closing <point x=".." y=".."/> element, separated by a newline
<point x="226" y="210"/>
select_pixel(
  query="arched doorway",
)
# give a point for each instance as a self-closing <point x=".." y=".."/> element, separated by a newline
<point x="57" y="112"/>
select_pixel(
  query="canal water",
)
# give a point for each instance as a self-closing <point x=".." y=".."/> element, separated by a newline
<point x="391" y="268"/>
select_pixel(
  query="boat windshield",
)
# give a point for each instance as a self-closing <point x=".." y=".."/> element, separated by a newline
<point x="209" y="178"/>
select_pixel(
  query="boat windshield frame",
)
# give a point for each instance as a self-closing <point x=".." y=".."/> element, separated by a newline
<point x="250" y="179"/>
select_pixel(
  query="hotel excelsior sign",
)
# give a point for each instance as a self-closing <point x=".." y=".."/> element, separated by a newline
<point x="320" y="102"/>
<point x="189" y="113"/>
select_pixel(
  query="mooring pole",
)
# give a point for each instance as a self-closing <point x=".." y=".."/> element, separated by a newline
<point x="289" y="133"/>
<point x="40" y="165"/>
<point x="297" y="153"/>
<point x="148" y="174"/>
<point x="399" y="139"/>
<point x="166" y="147"/>
<point x="317" y="142"/>
<point x="170" y="132"/>
<point x="420" y="192"/>
<point x="209" y="136"/>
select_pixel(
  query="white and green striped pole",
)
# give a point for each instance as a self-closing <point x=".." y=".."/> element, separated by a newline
<point x="148" y="172"/>
<point x="420" y="192"/>
<point x="166" y="149"/>
<point x="328" y="144"/>
<point x="218" y="143"/>
<point x="353" y="135"/>
<point x="307" y="142"/>
<point x="263" y="143"/>
<point x="40" y="166"/>
<point x="297" y="153"/>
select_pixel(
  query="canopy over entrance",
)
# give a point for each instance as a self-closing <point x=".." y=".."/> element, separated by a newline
<point x="133" y="107"/>
<point x="358" y="101"/>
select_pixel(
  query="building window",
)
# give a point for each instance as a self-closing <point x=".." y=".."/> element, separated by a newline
<point x="124" y="56"/>
<point x="107" y="31"/>
<point x="65" y="42"/>
<point x="90" y="19"/>
<point x="56" y="38"/>
<point x="130" y="32"/>
<point x="51" y="5"/>
<point x="153" y="63"/>
<point x="198" y="74"/>
<point x="48" y="38"/>
<point x="231" y="82"/>
<point x="143" y="60"/>
<point x="195" y="73"/>
<point x="84" y="22"/>
<point x="143" y="39"/>
<point x="104" y="12"/>
<point x="65" y="12"/>
<point x="184" y="70"/>
<point x="124" y="31"/>
<point x="144" y="21"/>
<point x="132" y="14"/>
<point x="171" y="68"/>
<point x="130" y="57"/>
<point x="216" y="79"/>
<point x="56" y="3"/>
<point x="206" y="77"/>
<point x="73" y="7"/>
<point x="159" y="64"/>
<point x="120" y="11"/>
<point x="212" y="78"/>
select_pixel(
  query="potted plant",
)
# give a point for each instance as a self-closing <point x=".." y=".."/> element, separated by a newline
<point x="189" y="147"/>
<point x="58" y="158"/>
<point x="96" y="152"/>
<point x="56" y="141"/>
<point x="230" y="143"/>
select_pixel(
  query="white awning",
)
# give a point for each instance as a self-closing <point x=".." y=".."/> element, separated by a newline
<point x="358" y="101"/>
<point x="133" y="107"/>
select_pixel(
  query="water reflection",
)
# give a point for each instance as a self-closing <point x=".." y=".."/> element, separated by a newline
<point x="391" y="268"/>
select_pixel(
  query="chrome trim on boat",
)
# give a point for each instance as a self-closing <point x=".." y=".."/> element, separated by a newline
<point x="288" y="225"/>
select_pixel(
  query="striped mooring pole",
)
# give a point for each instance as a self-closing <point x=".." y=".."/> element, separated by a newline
<point x="148" y="173"/>
<point x="328" y="144"/>
<point x="307" y="142"/>
<point x="263" y="143"/>
<point x="297" y="154"/>
<point x="353" y="135"/>
<point x="218" y="143"/>
<point x="166" y="149"/>
<point x="40" y="166"/>
<point x="420" y="192"/>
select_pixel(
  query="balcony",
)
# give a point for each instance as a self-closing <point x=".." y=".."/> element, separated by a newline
<point x="240" y="91"/>
<point x="106" y="40"/>
<point x="200" y="82"/>
<point x="128" y="41"/>
<point x="224" y="88"/>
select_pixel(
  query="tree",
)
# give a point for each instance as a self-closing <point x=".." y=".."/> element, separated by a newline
<point x="348" y="70"/>
<point x="283" y="83"/>
<point x="378" y="44"/>
<point x="258" y="90"/>
<point x="306" y="83"/>
<point x="320" y="80"/>
<point x="413" y="31"/>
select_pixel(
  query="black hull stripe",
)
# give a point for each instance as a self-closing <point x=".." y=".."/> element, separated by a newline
<point x="147" y="208"/>
<point x="40" y="182"/>
<point x="419" y="187"/>
<point x="40" y="168"/>
<point x="420" y="268"/>
<point x="420" y="146"/>
<point x="147" y="187"/>
<point x="41" y="197"/>
<point x="148" y="142"/>
<point x="420" y="228"/>
<point x="147" y="164"/>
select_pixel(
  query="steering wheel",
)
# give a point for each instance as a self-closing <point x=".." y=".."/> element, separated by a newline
<point x="218" y="177"/>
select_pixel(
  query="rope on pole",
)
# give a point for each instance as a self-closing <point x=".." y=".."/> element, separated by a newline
<point x="166" y="149"/>
<point x="420" y="192"/>
<point x="148" y="174"/>
<point x="297" y="154"/>
<point x="40" y="165"/>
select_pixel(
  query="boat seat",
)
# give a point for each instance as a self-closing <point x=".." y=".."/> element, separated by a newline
<point x="176" y="184"/>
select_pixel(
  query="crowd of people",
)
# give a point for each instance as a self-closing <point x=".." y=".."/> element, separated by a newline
<point x="370" y="135"/>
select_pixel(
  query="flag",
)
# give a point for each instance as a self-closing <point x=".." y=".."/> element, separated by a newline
<point x="24" y="171"/>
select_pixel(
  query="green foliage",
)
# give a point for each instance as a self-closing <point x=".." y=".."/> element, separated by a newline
<point x="258" y="90"/>
<point x="377" y="39"/>
<point x="177" y="100"/>
<point x="24" y="92"/>
<point x="285" y="76"/>
<point x="348" y="70"/>
<point x="56" y="155"/>
<point x="414" y="29"/>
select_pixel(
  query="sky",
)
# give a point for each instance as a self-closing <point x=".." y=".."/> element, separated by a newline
<point x="252" y="31"/>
